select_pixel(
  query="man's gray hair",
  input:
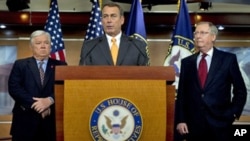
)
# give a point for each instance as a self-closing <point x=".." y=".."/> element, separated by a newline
<point x="38" y="33"/>
<point x="213" y="28"/>
<point x="113" y="4"/>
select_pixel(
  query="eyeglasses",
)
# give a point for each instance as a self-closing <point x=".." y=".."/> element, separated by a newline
<point x="202" y="33"/>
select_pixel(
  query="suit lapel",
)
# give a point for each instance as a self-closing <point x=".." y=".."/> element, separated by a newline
<point x="124" y="44"/>
<point x="214" y="67"/>
<point x="49" y="69"/>
<point x="104" y="46"/>
<point x="195" y="69"/>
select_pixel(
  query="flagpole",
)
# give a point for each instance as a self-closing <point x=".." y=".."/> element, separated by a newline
<point x="100" y="3"/>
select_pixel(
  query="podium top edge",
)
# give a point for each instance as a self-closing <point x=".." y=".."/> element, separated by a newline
<point x="114" y="72"/>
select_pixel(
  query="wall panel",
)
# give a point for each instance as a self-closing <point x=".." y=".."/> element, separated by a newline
<point x="158" y="42"/>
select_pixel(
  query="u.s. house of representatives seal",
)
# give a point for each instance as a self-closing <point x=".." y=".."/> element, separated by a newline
<point x="116" y="119"/>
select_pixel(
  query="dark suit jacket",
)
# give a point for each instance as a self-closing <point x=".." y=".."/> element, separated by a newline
<point x="24" y="83"/>
<point x="97" y="52"/>
<point x="214" y="101"/>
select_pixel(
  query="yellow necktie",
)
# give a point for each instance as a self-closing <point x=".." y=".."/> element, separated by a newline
<point x="114" y="50"/>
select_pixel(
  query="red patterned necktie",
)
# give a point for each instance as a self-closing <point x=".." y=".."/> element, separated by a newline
<point x="41" y="71"/>
<point x="203" y="70"/>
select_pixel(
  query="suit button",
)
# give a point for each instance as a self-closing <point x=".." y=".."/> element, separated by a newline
<point x="202" y="95"/>
<point x="23" y="108"/>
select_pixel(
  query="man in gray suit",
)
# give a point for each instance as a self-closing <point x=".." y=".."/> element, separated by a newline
<point x="205" y="108"/>
<point x="131" y="51"/>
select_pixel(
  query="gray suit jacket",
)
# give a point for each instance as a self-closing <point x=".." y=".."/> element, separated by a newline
<point x="132" y="52"/>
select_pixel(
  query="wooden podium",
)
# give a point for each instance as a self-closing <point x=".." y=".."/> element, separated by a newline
<point x="74" y="99"/>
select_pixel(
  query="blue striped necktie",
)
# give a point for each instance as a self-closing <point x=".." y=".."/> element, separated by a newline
<point x="41" y="71"/>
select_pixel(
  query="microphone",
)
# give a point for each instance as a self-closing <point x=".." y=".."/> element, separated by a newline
<point x="142" y="52"/>
<point x="90" y="50"/>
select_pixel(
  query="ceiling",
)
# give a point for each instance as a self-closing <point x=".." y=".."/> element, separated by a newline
<point x="218" y="6"/>
<point x="75" y="13"/>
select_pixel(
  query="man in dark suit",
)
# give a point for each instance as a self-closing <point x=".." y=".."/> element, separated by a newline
<point x="131" y="51"/>
<point x="33" y="112"/>
<point x="205" y="112"/>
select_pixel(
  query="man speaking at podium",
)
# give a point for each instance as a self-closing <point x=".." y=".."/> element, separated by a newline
<point x="113" y="48"/>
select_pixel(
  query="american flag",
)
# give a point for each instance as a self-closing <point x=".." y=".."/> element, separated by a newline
<point x="53" y="26"/>
<point x="95" y="25"/>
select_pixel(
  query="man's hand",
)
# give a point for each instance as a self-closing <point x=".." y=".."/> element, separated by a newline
<point x="46" y="113"/>
<point x="182" y="128"/>
<point x="41" y="104"/>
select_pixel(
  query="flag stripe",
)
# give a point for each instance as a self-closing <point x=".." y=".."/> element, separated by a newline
<point x="61" y="54"/>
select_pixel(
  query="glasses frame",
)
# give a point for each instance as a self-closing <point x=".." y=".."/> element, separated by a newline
<point x="202" y="33"/>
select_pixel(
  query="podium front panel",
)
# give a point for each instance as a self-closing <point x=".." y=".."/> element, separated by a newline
<point x="81" y="97"/>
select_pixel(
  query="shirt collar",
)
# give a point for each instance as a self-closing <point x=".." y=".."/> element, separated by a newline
<point x="45" y="61"/>
<point x="209" y="53"/>
<point x="117" y="37"/>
